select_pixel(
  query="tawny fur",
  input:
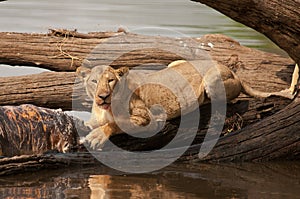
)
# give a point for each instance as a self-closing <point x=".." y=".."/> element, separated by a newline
<point x="163" y="88"/>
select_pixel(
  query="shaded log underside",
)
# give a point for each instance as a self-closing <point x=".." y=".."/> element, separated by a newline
<point x="274" y="138"/>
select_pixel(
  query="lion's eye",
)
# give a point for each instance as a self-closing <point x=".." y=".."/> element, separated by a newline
<point x="110" y="80"/>
<point x="94" y="81"/>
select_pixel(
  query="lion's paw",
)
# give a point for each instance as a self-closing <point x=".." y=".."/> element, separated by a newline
<point x="287" y="93"/>
<point x="95" y="139"/>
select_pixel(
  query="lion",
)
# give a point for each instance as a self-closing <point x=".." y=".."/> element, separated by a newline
<point x="197" y="86"/>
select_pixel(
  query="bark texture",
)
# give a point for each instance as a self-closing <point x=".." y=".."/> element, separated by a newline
<point x="263" y="71"/>
<point x="29" y="129"/>
<point x="279" y="20"/>
<point x="255" y="130"/>
<point x="32" y="130"/>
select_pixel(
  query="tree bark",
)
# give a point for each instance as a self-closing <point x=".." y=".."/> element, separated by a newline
<point x="256" y="137"/>
<point x="48" y="89"/>
<point x="279" y="20"/>
<point x="32" y="130"/>
<point x="63" y="50"/>
<point x="263" y="71"/>
<point x="59" y="50"/>
<point x="262" y="141"/>
<point x="29" y="129"/>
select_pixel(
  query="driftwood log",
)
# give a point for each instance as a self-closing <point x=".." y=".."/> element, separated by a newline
<point x="57" y="51"/>
<point x="279" y="20"/>
<point x="255" y="130"/>
<point x="42" y="128"/>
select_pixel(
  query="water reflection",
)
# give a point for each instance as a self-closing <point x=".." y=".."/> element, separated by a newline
<point x="272" y="180"/>
<point x="268" y="180"/>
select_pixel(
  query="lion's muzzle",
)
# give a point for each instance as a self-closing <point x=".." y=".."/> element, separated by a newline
<point x="103" y="100"/>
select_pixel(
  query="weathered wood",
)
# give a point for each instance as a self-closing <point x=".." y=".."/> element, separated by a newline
<point x="261" y="70"/>
<point x="48" y="89"/>
<point x="279" y="20"/>
<point x="63" y="50"/>
<point x="59" y="50"/>
<point x="32" y="130"/>
<point x="55" y="90"/>
<point x="25" y="163"/>
<point x="265" y="140"/>
<point x="29" y="129"/>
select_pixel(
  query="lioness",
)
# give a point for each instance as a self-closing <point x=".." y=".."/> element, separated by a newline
<point x="162" y="88"/>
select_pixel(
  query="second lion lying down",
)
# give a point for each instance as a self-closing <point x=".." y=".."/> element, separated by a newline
<point x="178" y="89"/>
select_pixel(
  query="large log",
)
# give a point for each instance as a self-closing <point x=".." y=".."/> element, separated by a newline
<point x="28" y="129"/>
<point x="63" y="50"/>
<point x="263" y="140"/>
<point x="262" y="70"/>
<point x="279" y="20"/>
<point x="48" y="89"/>
<point x="32" y="130"/>
<point x="58" y="50"/>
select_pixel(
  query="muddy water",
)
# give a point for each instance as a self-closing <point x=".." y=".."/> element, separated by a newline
<point x="268" y="180"/>
<point x="189" y="180"/>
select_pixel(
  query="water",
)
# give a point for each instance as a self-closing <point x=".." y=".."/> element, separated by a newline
<point x="189" y="180"/>
<point x="268" y="180"/>
<point x="189" y="18"/>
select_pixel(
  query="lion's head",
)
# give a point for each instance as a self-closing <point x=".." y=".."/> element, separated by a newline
<point x="90" y="78"/>
<point x="106" y="84"/>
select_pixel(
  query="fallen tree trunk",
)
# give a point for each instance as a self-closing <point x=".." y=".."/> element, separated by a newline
<point x="48" y="89"/>
<point x="262" y="141"/>
<point x="263" y="71"/>
<point x="28" y="129"/>
<point x="59" y="50"/>
<point x="33" y="130"/>
<point x="63" y="50"/>
<point x="279" y="20"/>
<point x="255" y="67"/>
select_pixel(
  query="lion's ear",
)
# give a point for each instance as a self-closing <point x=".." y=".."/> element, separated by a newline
<point x="83" y="72"/>
<point x="122" y="71"/>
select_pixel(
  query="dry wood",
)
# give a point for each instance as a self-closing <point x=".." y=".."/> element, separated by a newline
<point x="63" y="50"/>
<point x="48" y="89"/>
<point x="265" y="140"/>
<point x="57" y="50"/>
<point x="279" y="20"/>
<point x="41" y="129"/>
<point x="264" y="71"/>
<point x="28" y="129"/>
